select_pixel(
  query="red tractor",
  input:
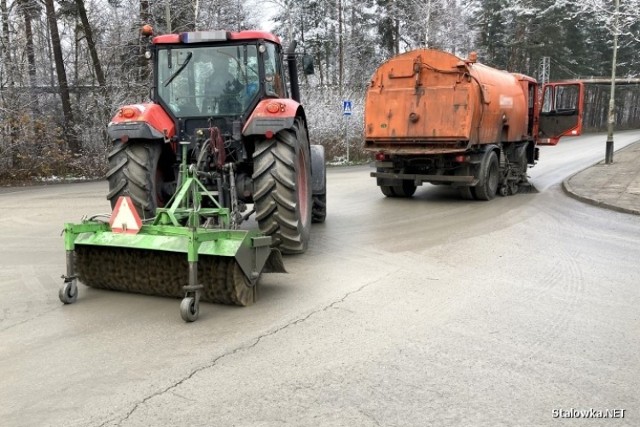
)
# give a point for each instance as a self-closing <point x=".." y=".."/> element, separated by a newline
<point x="227" y="96"/>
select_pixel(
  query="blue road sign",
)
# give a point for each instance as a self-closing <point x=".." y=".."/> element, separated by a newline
<point x="346" y="107"/>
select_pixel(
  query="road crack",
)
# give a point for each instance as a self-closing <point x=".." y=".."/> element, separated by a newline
<point x="242" y="348"/>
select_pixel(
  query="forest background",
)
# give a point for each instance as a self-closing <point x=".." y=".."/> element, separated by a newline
<point x="67" y="65"/>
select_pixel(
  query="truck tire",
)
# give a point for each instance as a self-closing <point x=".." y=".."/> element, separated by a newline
<point x="406" y="189"/>
<point x="466" y="193"/>
<point x="489" y="177"/>
<point x="387" y="191"/>
<point x="282" y="188"/>
<point x="133" y="171"/>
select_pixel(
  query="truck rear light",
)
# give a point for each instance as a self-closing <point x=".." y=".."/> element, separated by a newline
<point x="461" y="158"/>
<point x="381" y="157"/>
<point x="268" y="134"/>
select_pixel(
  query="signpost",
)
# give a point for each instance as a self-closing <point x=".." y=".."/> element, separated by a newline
<point x="346" y="113"/>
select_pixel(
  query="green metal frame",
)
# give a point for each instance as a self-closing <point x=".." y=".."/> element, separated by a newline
<point x="250" y="247"/>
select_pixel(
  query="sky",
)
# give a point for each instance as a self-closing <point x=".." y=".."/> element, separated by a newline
<point x="267" y="11"/>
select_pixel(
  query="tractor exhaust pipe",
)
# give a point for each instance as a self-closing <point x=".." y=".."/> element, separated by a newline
<point x="293" y="71"/>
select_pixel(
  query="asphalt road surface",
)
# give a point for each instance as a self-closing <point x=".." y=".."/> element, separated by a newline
<point x="428" y="311"/>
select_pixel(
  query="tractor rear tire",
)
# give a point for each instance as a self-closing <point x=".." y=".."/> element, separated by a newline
<point x="133" y="171"/>
<point x="282" y="188"/>
<point x="489" y="177"/>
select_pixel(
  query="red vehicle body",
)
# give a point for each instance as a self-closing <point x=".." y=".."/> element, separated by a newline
<point x="572" y="107"/>
<point x="233" y="99"/>
<point x="433" y="117"/>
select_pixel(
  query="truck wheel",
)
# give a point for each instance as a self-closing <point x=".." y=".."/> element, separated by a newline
<point x="133" y="171"/>
<point x="387" y="191"/>
<point x="466" y="193"/>
<point x="406" y="189"/>
<point x="489" y="177"/>
<point x="282" y="188"/>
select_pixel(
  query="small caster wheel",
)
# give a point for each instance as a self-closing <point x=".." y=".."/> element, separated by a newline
<point x="68" y="293"/>
<point x="189" y="309"/>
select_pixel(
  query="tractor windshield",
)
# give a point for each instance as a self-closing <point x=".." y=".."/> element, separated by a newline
<point x="208" y="81"/>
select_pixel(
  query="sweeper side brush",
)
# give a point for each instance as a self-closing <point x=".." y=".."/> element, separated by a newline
<point x="188" y="251"/>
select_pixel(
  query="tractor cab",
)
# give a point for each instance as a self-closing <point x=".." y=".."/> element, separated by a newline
<point x="215" y="78"/>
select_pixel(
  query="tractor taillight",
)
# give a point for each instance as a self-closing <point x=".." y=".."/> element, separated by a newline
<point x="461" y="158"/>
<point x="275" y="107"/>
<point x="268" y="134"/>
<point x="128" y="112"/>
<point x="380" y="156"/>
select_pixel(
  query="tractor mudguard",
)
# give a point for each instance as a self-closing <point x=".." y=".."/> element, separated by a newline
<point x="141" y="121"/>
<point x="272" y="115"/>
<point x="318" y="170"/>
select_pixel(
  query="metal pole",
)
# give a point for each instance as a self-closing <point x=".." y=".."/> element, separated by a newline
<point x="611" y="118"/>
<point x="346" y="134"/>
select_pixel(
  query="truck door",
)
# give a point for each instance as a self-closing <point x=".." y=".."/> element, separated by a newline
<point x="561" y="112"/>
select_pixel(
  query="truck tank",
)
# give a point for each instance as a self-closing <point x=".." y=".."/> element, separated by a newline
<point x="425" y="107"/>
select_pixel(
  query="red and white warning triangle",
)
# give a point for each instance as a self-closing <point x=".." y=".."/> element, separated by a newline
<point x="125" y="218"/>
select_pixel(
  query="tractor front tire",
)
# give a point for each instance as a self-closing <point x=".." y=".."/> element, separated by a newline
<point x="133" y="171"/>
<point x="282" y="188"/>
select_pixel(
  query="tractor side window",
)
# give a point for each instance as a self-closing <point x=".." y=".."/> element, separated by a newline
<point x="274" y="84"/>
<point x="251" y="75"/>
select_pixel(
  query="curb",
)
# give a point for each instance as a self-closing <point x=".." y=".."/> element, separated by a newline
<point x="568" y="189"/>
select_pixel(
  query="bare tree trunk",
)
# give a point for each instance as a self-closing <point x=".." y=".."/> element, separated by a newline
<point x="5" y="44"/>
<point x="71" y="137"/>
<point x="31" y="61"/>
<point x="143" y="64"/>
<point x="31" y="57"/>
<point x="88" y="32"/>
<point x="95" y="59"/>
<point x="340" y="47"/>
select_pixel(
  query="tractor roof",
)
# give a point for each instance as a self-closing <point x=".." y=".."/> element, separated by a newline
<point x="214" y="36"/>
